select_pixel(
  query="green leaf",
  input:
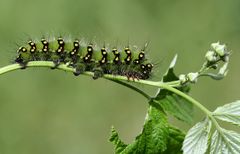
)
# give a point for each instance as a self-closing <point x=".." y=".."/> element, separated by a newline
<point x="225" y="142"/>
<point x="154" y="136"/>
<point x="173" y="62"/>
<point x="175" y="141"/>
<point x="157" y="136"/>
<point x="196" y="140"/>
<point x="172" y="103"/>
<point x="119" y="145"/>
<point x="229" y="113"/>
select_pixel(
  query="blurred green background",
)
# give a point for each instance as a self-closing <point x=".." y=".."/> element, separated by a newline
<point x="53" y="112"/>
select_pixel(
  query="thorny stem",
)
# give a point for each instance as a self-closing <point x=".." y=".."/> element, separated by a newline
<point x="119" y="79"/>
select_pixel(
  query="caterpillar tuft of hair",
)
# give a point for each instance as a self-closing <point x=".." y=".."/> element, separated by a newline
<point x="128" y="62"/>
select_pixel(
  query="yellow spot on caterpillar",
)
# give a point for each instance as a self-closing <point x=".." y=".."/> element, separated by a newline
<point x="22" y="49"/>
<point x="149" y="65"/>
<point x="88" y="56"/>
<point x="128" y="52"/>
<point x="136" y="61"/>
<point x="126" y="49"/>
<point x="31" y="43"/>
<point x="89" y="49"/>
<point x="59" y="50"/>
<point x="76" y="44"/>
<point x="44" y="42"/>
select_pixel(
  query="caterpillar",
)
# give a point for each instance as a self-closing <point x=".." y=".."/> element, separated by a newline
<point x="128" y="62"/>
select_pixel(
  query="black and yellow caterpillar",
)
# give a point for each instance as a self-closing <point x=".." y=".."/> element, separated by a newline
<point x="86" y="57"/>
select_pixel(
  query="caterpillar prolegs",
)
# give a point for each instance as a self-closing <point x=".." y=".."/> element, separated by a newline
<point x="128" y="62"/>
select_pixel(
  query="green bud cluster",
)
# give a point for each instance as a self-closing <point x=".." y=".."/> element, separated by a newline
<point x="217" y="53"/>
<point x="190" y="77"/>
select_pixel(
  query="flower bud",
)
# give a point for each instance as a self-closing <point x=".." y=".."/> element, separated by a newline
<point x="211" y="56"/>
<point x="220" y="50"/>
<point x="215" y="45"/>
<point x="182" y="78"/>
<point x="193" y="77"/>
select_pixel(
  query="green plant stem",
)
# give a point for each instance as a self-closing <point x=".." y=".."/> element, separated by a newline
<point x="64" y="67"/>
<point x="167" y="85"/>
<point x="133" y="88"/>
<point x="197" y="104"/>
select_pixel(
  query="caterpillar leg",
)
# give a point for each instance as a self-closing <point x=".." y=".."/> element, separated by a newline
<point x="21" y="62"/>
<point x="97" y="73"/>
<point x="56" y="63"/>
<point x="79" y="69"/>
<point x="57" y="60"/>
<point x="75" y="58"/>
<point x="46" y="57"/>
<point x="23" y="65"/>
